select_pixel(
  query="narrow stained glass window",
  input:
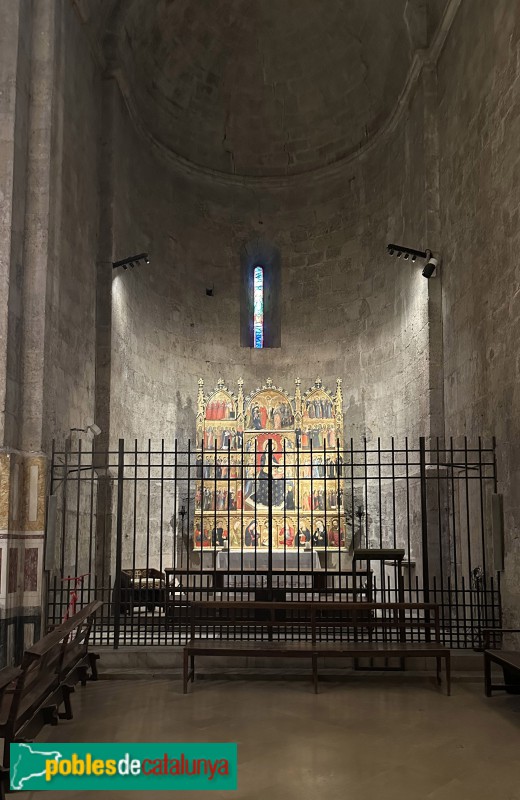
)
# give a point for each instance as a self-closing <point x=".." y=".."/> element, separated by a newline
<point x="258" y="307"/>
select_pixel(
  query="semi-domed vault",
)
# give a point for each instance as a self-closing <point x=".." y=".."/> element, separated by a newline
<point x="263" y="87"/>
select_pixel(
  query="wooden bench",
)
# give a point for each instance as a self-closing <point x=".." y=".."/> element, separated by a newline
<point x="231" y="583"/>
<point x="140" y="587"/>
<point x="509" y="660"/>
<point x="312" y="629"/>
<point x="32" y="694"/>
<point x="8" y="678"/>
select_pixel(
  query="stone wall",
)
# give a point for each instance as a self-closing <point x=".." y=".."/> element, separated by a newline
<point x="479" y="130"/>
<point x="347" y="309"/>
<point x="15" y="45"/>
<point x="50" y="217"/>
<point x="50" y="90"/>
<point x="71" y="309"/>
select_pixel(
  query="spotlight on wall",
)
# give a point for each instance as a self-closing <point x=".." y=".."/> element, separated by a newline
<point x="431" y="262"/>
<point x="131" y="261"/>
<point x="430" y="266"/>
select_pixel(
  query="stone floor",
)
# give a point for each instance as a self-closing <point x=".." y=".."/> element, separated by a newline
<point x="376" y="737"/>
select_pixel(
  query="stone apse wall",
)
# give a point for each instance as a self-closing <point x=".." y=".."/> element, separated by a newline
<point x="479" y="168"/>
<point x="346" y="308"/>
<point x="83" y="185"/>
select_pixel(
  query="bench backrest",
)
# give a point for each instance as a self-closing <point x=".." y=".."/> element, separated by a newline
<point x="46" y="661"/>
<point x="378" y="620"/>
<point x="39" y="676"/>
<point x="75" y="642"/>
<point x="8" y="678"/>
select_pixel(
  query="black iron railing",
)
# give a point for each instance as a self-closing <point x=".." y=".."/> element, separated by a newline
<point x="150" y="528"/>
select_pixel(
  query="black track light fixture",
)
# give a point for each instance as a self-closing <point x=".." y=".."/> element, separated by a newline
<point x="431" y="262"/>
<point x="131" y="261"/>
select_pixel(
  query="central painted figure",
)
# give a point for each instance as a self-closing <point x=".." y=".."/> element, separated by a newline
<point x="259" y="490"/>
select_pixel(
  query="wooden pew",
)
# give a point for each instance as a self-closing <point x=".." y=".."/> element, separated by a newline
<point x="372" y="630"/>
<point x="509" y="660"/>
<point x="33" y="693"/>
<point x="8" y="678"/>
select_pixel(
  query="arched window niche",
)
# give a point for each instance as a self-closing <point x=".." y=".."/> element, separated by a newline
<point x="260" y="326"/>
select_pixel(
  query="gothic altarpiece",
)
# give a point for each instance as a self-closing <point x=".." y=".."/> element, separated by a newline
<point x="238" y="479"/>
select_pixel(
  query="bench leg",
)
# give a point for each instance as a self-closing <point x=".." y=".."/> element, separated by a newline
<point x="439" y="665"/>
<point x="315" y="672"/>
<point x="185" y="672"/>
<point x="92" y="658"/>
<point x="448" y="674"/>
<point x="50" y="715"/>
<point x="67" y="691"/>
<point x="487" y="675"/>
<point x="83" y="675"/>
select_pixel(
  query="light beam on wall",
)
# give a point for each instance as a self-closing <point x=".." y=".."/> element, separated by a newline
<point x="258" y="307"/>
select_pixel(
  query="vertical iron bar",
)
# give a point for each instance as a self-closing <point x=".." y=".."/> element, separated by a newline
<point x="469" y="591"/>
<point x="424" y="521"/>
<point x="325" y="485"/>
<point x="242" y="485"/>
<point x="129" y="590"/>
<point x="366" y="492"/>
<point x="394" y="529"/>
<point x="481" y="498"/>
<point x="454" y="519"/>
<point x="408" y="536"/>
<point x="468" y="520"/>
<point x="270" y="519"/>
<point x="119" y="540"/>
<point x="188" y="493"/>
<point x="64" y="507"/>
<point x="439" y="522"/>
<point x="47" y="575"/>
<point x="78" y="509"/>
<point x="171" y="594"/>
<point x="91" y="521"/>
<point x="228" y="515"/>
<point x="298" y="497"/>
<point x="161" y="510"/>
<point x="380" y="501"/>
<point x="284" y="517"/>
<point x="148" y="506"/>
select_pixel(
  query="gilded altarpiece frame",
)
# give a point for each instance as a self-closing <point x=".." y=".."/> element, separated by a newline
<point x="292" y="486"/>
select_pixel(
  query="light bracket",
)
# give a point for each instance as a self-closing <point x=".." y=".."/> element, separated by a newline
<point x="131" y="261"/>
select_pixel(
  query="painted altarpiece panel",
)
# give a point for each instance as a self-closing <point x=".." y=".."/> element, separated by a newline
<point x="302" y="484"/>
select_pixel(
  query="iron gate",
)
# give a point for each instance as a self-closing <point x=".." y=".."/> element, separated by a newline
<point x="146" y="528"/>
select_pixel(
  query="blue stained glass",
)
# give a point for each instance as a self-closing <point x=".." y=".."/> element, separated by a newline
<point x="258" y="307"/>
